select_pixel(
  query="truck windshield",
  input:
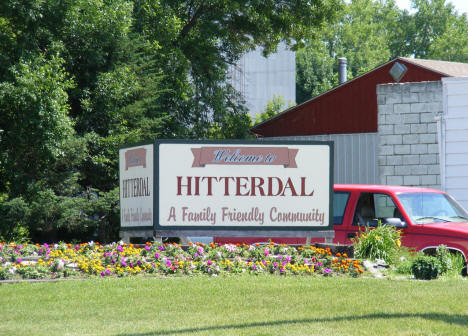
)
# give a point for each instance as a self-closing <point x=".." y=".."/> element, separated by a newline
<point x="432" y="208"/>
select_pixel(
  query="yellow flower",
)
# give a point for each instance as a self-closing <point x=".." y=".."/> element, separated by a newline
<point x="398" y="242"/>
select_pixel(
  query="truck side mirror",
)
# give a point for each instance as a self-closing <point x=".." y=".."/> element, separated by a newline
<point x="396" y="222"/>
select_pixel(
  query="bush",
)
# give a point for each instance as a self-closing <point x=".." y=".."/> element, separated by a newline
<point x="403" y="259"/>
<point x="426" y="267"/>
<point x="444" y="257"/>
<point x="381" y="242"/>
<point x="452" y="263"/>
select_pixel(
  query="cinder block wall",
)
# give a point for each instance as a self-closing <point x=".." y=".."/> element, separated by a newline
<point x="408" y="150"/>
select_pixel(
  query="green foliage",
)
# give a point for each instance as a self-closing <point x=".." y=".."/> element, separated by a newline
<point x="364" y="34"/>
<point x="274" y="107"/>
<point x="403" y="259"/>
<point x="426" y="267"/>
<point x="80" y="78"/>
<point x="14" y="216"/>
<point x="369" y="33"/>
<point x="381" y="242"/>
<point x="451" y="263"/>
<point x="5" y="274"/>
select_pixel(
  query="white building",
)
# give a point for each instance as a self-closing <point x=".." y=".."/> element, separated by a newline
<point x="259" y="78"/>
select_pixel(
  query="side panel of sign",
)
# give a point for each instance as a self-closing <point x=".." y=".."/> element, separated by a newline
<point x="136" y="186"/>
<point x="244" y="185"/>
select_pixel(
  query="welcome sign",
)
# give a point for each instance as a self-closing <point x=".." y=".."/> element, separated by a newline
<point x="137" y="186"/>
<point x="244" y="185"/>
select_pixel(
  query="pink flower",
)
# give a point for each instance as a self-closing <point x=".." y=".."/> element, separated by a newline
<point x="266" y="252"/>
<point x="147" y="248"/>
<point x="156" y="255"/>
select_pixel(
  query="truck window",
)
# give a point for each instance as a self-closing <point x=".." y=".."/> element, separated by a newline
<point x="374" y="207"/>
<point x="340" y="200"/>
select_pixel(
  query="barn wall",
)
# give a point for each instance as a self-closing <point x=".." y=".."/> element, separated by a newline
<point x="408" y="150"/>
<point x="454" y="135"/>
<point x="355" y="156"/>
<point x="348" y="108"/>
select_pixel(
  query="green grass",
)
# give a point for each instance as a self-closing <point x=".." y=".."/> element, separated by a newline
<point x="243" y="305"/>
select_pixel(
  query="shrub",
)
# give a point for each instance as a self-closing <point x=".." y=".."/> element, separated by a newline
<point x="403" y="259"/>
<point x="381" y="242"/>
<point x="426" y="267"/>
<point x="444" y="257"/>
<point x="452" y="263"/>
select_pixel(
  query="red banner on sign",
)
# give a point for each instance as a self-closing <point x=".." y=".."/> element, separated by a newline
<point x="245" y="156"/>
<point x="135" y="157"/>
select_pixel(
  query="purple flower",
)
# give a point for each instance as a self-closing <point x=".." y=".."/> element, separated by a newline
<point x="120" y="248"/>
<point x="131" y="265"/>
<point x="319" y="264"/>
<point x="195" y="255"/>
<point x="200" y="250"/>
<point x="19" y="260"/>
<point x="107" y="271"/>
<point x="266" y="252"/>
<point x="77" y="247"/>
<point x="254" y="267"/>
<point x="275" y="265"/>
<point x="326" y="270"/>
<point x="123" y="263"/>
<point x="147" y="248"/>
<point x="168" y="263"/>
<point x="103" y="274"/>
<point x="156" y="255"/>
<point x="138" y="262"/>
<point x="209" y="262"/>
<point x="288" y="258"/>
<point x="160" y="248"/>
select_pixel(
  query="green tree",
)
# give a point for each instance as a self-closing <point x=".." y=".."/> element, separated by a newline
<point x="452" y="44"/>
<point x="273" y="108"/>
<point x="429" y="22"/>
<point x="34" y="122"/>
<point x="79" y="78"/>
<point x="364" y="34"/>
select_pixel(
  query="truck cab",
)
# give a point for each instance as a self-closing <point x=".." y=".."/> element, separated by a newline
<point x="426" y="217"/>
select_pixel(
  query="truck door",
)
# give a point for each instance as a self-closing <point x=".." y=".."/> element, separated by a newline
<point x="371" y="208"/>
<point x="340" y="203"/>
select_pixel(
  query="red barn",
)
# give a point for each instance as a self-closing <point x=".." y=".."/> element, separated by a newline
<point x="352" y="106"/>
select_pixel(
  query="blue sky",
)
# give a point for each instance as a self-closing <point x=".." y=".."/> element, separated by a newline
<point x="460" y="5"/>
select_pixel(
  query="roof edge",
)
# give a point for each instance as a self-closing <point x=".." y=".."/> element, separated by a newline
<point x="251" y="130"/>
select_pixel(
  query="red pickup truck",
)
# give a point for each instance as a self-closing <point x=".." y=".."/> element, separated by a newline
<point x="427" y="217"/>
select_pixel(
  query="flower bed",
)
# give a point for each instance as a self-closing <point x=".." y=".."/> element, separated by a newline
<point x="92" y="259"/>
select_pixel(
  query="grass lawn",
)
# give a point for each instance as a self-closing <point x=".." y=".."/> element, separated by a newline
<point x="236" y="305"/>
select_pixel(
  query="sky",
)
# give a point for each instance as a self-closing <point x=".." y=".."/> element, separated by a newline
<point x="460" y="5"/>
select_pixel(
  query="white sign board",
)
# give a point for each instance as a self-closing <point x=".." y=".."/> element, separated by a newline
<point x="244" y="185"/>
<point x="136" y="166"/>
